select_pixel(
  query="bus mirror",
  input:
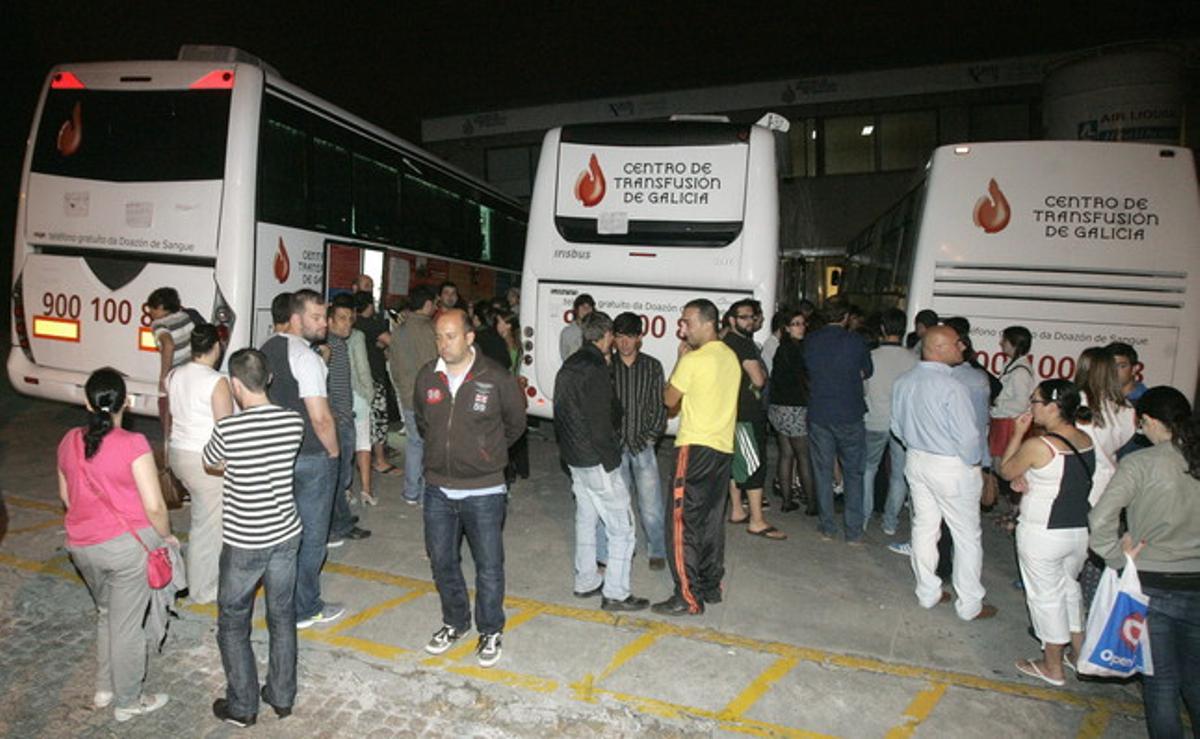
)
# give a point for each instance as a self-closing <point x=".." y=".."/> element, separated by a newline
<point x="774" y="122"/>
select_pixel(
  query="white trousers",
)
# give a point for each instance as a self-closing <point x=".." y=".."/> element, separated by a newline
<point x="946" y="488"/>
<point x="1050" y="562"/>
<point x="204" y="536"/>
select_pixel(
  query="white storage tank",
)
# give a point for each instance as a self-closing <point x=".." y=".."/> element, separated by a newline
<point x="1122" y="94"/>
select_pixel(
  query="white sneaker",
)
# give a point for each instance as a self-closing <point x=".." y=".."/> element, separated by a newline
<point x="330" y="613"/>
<point x="443" y="639"/>
<point x="102" y="699"/>
<point x="903" y="548"/>
<point x="889" y="532"/>
<point x="146" y="704"/>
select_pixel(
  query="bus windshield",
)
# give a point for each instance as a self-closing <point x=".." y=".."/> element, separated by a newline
<point x="122" y="136"/>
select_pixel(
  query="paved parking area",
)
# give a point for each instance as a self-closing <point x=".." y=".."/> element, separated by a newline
<point x="813" y="639"/>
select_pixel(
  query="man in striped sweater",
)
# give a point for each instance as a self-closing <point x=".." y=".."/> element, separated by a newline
<point x="256" y="450"/>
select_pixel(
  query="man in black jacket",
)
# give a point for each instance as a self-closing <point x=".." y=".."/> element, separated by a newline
<point x="586" y="417"/>
<point x="469" y="411"/>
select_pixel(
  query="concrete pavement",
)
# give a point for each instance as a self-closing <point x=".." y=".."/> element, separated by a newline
<point x="813" y="638"/>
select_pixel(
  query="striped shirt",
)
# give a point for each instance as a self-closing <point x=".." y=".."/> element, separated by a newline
<point x="341" y="398"/>
<point x="258" y="448"/>
<point x="639" y="390"/>
<point x="179" y="327"/>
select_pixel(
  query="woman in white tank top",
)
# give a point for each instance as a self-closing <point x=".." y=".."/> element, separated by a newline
<point x="1054" y="474"/>
<point x="199" y="396"/>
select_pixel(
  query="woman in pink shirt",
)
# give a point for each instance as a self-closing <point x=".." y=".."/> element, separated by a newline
<point x="109" y="485"/>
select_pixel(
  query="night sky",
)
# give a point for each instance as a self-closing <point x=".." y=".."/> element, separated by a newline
<point x="394" y="62"/>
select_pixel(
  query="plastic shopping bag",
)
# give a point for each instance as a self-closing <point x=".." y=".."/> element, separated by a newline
<point x="1117" y="641"/>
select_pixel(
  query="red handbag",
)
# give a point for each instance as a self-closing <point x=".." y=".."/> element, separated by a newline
<point x="158" y="561"/>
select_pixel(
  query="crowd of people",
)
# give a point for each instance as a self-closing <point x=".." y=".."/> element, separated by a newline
<point x="269" y="455"/>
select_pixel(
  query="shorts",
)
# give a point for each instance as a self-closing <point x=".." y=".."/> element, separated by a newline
<point x="362" y="424"/>
<point x="789" y="420"/>
<point x="750" y="455"/>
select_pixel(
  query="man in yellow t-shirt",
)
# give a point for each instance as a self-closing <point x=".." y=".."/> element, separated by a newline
<point x="705" y="386"/>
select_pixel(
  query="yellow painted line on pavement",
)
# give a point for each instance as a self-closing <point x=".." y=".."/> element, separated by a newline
<point x="365" y="646"/>
<point x="46" y="567"/>
<point x="504" y="677"/>
<point x="34" y="504"/>
<point x="758" y="687"/>
<point x="918" y="710"/>
<point x="36" y="527"/>
<point x="672" y="711"/>
<point x="1095" y="723"/>
<point x="584" y="689"/>
<point x="378" y="609"/>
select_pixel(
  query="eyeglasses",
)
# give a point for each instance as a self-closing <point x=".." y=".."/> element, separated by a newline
<point x="744" y="316"/>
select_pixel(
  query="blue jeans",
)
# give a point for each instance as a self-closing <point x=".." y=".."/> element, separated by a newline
<point x="640" y="471"/>
<point x="343" y="518"/>
<point x="481" y="519"/>
<point x="847" y="441"/>
<point x="414" y="456"/>
<point x="241" y="569"/>
<point x="313" y="488"/>
<point x="877" y="441"/>
<point x="601" y="496"/>
<point x="1174" y="626"/>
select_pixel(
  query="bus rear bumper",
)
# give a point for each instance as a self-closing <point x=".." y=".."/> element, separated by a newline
<point x="67" y="386"/>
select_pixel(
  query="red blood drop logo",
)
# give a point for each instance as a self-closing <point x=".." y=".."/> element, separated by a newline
<point x="1131" y="629"/>
<point x="70" y="134"/>
<point x="590" y="187"/>
<point x="992" y="212"/>
<point x="283" y="265"/>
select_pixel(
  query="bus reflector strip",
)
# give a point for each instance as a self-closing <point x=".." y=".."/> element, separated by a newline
<point x="218" y="79"/>
<point x="65" y="81"/>
<point x="58" y="329"/>
<point x="146" y="340"/>
<point x="642" y="254"/>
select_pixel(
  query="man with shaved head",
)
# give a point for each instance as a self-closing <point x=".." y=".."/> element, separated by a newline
<point x="933" y="418"/>
<point x="469" y="411"/>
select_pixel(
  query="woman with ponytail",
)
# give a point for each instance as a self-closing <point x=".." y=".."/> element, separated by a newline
<point x="109" y="485"/>
<point x="1054" y="473"/>
<point x="1159" y="491"/>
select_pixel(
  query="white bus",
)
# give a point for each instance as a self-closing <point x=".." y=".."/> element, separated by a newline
<point x="645" y="217"/>
<point x="213" y="175"/>
<point x="1084" y="243"/>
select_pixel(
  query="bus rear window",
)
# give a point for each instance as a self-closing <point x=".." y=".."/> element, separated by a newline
<point x="144" y="136"/>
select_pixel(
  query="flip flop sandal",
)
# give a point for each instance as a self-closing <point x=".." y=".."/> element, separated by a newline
<point x="767" y="533"/>
<point x="391" y="469"/>
<point x="1027" y="667"/>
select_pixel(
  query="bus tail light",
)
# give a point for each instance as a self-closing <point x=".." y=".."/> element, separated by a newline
<point x="529" y="357"/>
<point x="65" y="81"/>
<point x="18" y="312"/>
<point x="531" y="391"/>
<point x="218" y="79"/>
<point x="223" y="317"/>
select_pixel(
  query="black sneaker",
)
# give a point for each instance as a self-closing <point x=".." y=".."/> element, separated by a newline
<point x="357" y="534"/>
<point x="443" y="639"/>
<point x="488" y="649"/>
<point x="676" y="606"/>
<point x="632" y="603"/>
<point x="280" y="711"/>
<point x="221" y="711"/>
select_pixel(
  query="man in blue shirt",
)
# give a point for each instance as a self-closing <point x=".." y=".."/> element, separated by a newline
<point x="837" y="361"/>
<point x="933" y="417"/>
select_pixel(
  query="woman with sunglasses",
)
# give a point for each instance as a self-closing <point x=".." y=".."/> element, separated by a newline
<point x="1054" y="474"/>
<point x="1159" y="491"/>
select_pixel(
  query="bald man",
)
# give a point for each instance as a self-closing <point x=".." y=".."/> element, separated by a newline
<point x="933" y="418"/>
